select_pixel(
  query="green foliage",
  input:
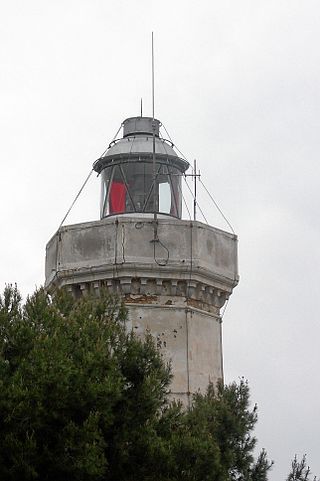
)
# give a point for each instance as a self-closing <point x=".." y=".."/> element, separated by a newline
<point x="299" y="470"/>
<point x="217" y="432"/>
<point x="83" y="399"/>
<point x="77" y="390"/>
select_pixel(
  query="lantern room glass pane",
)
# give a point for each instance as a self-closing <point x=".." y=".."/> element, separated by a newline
<point x="129" y="187"/>
<point x="165" y="197"/>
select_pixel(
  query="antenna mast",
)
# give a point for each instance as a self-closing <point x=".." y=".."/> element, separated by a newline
<point x="154" y="149"/>
<point x="152" y="47"/>
<point x="195" y="177"/>
<point x="195" y="190"/>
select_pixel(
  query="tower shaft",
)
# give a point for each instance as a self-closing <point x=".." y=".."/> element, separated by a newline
<point x="174" y="287"/>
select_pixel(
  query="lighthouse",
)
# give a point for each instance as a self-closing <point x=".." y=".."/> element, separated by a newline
<point x="173" y="274"/>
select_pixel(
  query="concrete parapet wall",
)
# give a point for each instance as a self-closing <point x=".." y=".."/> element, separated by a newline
<point x="124" y="247"/>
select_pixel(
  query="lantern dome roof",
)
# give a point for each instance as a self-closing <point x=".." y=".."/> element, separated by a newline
<point x="137" y="144"/>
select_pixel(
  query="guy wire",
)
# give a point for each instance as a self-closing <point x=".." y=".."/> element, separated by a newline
<point x="76" y="198"/>
<point x="85" y="182"/>
<point x="215" y="203"/>
<point x="181" y="153"/>
<point x="185" y="202"/>
<point x="114" y="137"/>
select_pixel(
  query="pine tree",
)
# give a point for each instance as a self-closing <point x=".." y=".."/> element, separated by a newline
<point x="300" y="471"/>
<point x="81" y="398"/>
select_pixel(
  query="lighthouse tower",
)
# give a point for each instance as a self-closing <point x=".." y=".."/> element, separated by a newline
<point x="174" y="275"/>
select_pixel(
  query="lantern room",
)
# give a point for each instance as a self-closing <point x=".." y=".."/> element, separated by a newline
<point x="141" y="172"/>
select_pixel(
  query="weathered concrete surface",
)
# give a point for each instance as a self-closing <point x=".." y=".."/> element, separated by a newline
<point x="189" y="338"/>
<point x="80" y="252"/>
<point x="174" y="287"/>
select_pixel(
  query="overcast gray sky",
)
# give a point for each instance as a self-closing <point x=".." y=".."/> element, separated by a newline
<point x="237" y="87"/>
